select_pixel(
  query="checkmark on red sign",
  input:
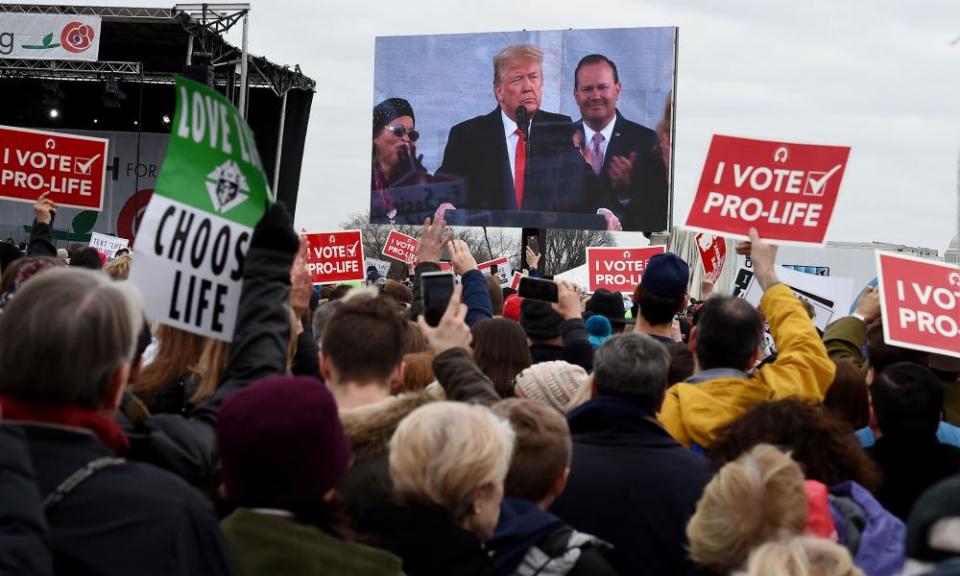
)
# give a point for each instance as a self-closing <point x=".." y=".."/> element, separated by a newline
<point x="817" y="181"/>
<point x="82" y="165"/>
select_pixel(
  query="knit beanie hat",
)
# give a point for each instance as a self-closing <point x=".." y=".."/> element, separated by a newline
<point x="552" y="384"/>
<point x="281" y="443"/>
<point x="511" y="307"/>
<point x="389" y="110"/>
<point x="933" y="518"/>
<point x="599" y="330"/>
<point x="539" y="320"/>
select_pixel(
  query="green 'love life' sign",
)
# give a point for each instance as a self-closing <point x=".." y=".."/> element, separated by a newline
<point x="195" y="232"/>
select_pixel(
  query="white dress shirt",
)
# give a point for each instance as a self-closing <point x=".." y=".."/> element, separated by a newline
<point x="606" y="131"/>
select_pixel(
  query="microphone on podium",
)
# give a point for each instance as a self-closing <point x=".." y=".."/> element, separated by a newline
<point x="523" y="121"/>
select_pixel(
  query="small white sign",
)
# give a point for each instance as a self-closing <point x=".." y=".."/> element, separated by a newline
<point x="108" y="244"/>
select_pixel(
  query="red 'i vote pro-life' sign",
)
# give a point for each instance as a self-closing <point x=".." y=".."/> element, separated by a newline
<point x="618" y="269"/>
<point x="335" y="257"/>
<point x="72" y="168"/>
<point x="713" y="253"/>
<point x="920" y="303"/>
<point x="786" y="191"/>
<point x="401" y="247"/>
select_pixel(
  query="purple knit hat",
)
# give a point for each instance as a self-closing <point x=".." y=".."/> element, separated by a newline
<point x="281" y="443"/>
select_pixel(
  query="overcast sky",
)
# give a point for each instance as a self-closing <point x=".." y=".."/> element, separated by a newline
<point x="880" y="77"/>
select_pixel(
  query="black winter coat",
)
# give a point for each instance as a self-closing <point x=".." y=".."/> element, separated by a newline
<point x="631" y="485"/>
<point x="427" y="541"/>
<point x="131" y="518"/>
<point x="23" y="528"/>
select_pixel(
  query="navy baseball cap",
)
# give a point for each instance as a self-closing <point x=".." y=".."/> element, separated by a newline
<point x="666" y="276"/>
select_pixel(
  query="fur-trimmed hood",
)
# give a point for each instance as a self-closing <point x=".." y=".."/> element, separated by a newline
<point x="370" y="427"/>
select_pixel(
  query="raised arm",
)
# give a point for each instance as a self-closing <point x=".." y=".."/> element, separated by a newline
<point x="41" y="235"/>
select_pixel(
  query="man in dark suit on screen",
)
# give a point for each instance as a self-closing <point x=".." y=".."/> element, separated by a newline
<point x="623" y="154"/>
<point x="509" y="163"/>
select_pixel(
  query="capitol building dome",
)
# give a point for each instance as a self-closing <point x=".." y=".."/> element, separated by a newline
<point x="952" y="255"/>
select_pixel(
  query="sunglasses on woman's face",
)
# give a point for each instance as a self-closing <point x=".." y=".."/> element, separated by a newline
<point x="400" y="132"/>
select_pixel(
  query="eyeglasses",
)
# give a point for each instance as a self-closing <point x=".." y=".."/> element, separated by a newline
<point x="401" y="131"/>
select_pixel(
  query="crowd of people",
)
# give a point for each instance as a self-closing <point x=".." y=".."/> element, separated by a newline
<point x="341" y="433"/>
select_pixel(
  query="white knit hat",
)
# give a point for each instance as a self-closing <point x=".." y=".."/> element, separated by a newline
<point x="552" y="384"/>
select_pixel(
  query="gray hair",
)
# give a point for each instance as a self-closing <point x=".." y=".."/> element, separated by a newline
<point x="65" y="335"/>
<point x="634" y="366"/>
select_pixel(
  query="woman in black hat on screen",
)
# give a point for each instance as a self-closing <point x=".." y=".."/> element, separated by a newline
<point x="395" y="162"/>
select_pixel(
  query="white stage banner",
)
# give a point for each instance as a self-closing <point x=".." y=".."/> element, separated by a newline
<point x="49" y="36"/>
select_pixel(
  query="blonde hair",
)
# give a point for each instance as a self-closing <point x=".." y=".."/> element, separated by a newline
<point x="216" y="353"/>
<point x="801" y="556"/>
<point x="512" y="55"/>
<point x="177" y="354"/>
<point x="119" y="267"/>
<point x="209" y="368"/>
<point x="444" y="452"/>
<point x="754" y="499"/>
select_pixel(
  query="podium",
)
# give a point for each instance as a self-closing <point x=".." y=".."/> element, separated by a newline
<point x="524" y="219"/>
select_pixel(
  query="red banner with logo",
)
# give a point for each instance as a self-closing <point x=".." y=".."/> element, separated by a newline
<point x="335" y="257"/>
<point x="786" y="191"/>
<point x="713" y="253"/>
<point x="401" y="247"/>
<point x="920" y="303"/>
<point x="618" y="269"/>
<point x="72" y="168"/>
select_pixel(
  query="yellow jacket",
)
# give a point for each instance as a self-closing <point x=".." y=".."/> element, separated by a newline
<point x="697" y="412"/>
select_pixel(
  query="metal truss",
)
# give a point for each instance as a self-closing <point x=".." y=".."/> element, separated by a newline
<point x="67" y="69"/>
<point x="105" y="11"/>
<point x="205" y="22"/>
<point x="280" y="79"/>
<point x="217" y="18"/>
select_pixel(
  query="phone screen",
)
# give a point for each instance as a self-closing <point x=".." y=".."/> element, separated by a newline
<point x="538" y="289"/>
<point x="436" y="288"/>
<point x="534" y="243"/>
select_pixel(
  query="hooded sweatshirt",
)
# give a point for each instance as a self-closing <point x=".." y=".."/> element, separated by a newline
<point x="531" y="541"/>
<point x="694" y="411"/>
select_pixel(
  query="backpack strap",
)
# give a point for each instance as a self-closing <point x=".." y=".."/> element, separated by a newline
<point x="77" y="478"/>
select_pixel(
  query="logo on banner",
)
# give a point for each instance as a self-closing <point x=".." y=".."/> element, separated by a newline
<point x="335" y="257"/>
<point x="77" y="37"/>
<point x="786" y="191"/>
<point x="227" y="186"/>
<point x="920" y="303"/>
<point x="618" y="269"/>
<point x="197" y="227"/>
<point x="401" y="247"/>
<point x="72" y="168"/>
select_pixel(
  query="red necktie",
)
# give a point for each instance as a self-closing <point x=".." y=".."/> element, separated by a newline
<point x="520" y="168"/>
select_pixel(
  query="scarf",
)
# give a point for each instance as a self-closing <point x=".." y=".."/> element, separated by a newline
<point x="105" y="428"/>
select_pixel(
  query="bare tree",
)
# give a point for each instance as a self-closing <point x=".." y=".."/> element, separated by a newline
<point x="485" y="245"/>
<point x="566" y="249"/>
<point x="375" y="238"/>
